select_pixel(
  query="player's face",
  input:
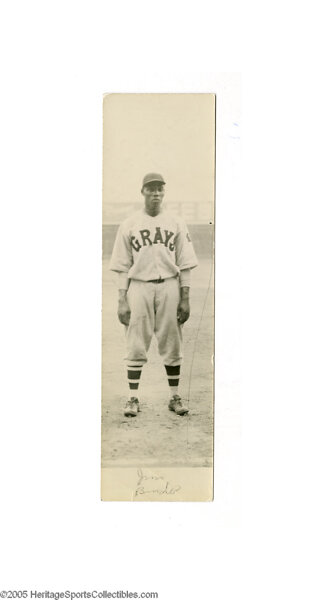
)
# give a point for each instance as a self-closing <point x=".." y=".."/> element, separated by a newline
<point x="153" y="194"/>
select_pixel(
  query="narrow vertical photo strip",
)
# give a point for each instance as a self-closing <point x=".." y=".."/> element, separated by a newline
<point x="158" y="297"/>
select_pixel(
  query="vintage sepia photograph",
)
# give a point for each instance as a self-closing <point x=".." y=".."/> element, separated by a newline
<point x="158" y="297"/>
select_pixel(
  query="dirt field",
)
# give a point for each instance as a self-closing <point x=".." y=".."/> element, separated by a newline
<point x="158" y="436"/>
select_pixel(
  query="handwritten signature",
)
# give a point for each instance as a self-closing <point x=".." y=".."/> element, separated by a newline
<point x="156" y="484"/>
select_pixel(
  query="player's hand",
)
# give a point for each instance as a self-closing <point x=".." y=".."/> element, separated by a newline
<point x="123" y="311"/>
<point x="183" y="311"/>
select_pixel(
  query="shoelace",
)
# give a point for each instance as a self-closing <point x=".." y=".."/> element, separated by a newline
<point x="177" y="400"/>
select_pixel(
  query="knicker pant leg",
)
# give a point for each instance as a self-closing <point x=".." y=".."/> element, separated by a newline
<point x="167" y="329"/>
<point x="142" y="320"/>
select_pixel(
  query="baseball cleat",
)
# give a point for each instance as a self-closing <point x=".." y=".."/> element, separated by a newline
<point x="175" y="404"/>
<point x="132" y="407"/>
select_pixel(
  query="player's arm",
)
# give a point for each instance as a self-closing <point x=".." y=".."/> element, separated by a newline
<point x="184" y="251"/>
<point x="183" y="308"/>
<point x="121" y="261"/>
<point x="123" y="310"/>
<point x="185" y="260"/>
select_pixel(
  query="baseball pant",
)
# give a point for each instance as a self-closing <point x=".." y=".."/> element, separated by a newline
<point x="153" y="309"/>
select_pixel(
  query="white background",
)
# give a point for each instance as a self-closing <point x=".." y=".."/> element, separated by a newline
<point x="57" y="61"/>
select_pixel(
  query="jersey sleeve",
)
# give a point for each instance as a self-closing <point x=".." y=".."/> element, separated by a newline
<point x="122" y="258"/>
<point x="185" y="254"/>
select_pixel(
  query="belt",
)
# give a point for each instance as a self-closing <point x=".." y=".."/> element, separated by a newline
<point x="156" y="280"/>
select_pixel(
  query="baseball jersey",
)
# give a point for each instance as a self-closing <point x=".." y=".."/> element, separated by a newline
<point x="152" y="247"/>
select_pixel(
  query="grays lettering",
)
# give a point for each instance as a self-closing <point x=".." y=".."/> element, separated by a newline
<point x="135" y="245"/>
<point x="168" y="235"/>
<point x="160" y="237"/>
<point x="145" y="233"/>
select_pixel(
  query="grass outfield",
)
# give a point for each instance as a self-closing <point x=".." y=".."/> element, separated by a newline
<point x="158" y="436"/>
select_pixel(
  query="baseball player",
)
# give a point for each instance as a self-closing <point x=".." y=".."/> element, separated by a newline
<point x="153" y="256"/>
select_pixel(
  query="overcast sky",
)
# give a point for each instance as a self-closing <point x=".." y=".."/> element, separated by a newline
<point x="172" y="134"/>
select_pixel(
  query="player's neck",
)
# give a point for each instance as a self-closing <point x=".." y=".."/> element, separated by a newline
<point x="151" y="212"/>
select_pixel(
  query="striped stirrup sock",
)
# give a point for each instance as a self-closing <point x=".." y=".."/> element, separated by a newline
<point x="173" y="374"/>
<point x="133" y="377"/>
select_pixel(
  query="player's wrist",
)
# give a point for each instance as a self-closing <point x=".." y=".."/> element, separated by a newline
<point x="122" y="295"/>
<point x="184" y="293"/>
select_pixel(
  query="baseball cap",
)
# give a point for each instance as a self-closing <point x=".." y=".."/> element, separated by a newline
<point x="150" y="177"/>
